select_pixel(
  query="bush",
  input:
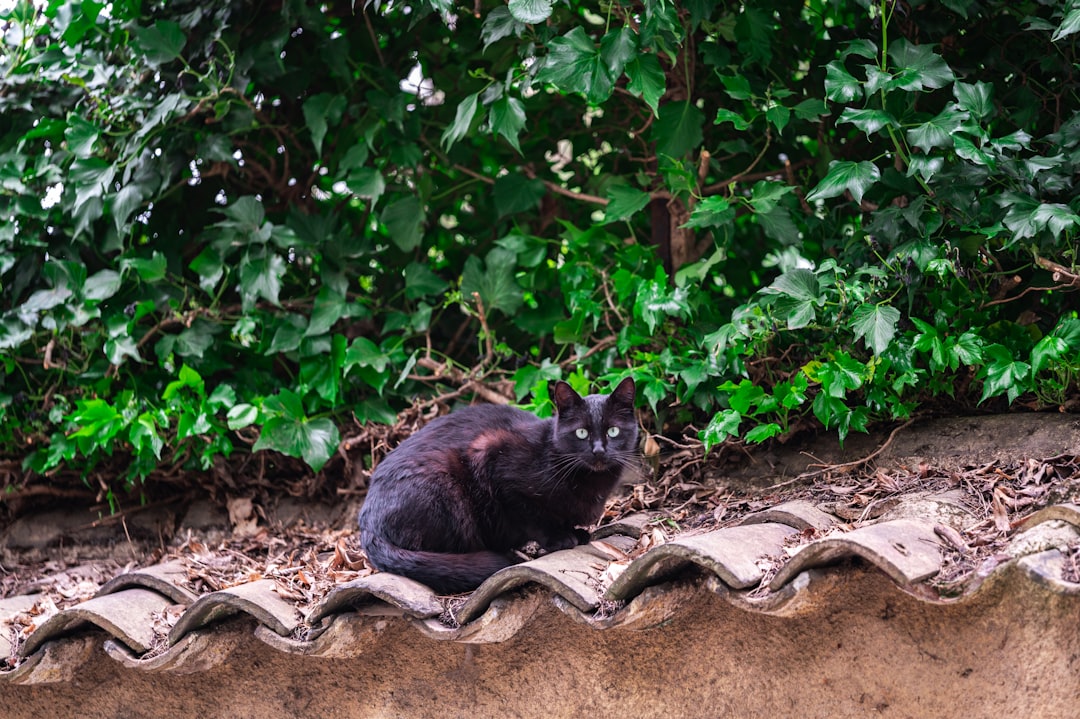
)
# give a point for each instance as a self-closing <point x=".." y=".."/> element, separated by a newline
<point x="235" y="226"/>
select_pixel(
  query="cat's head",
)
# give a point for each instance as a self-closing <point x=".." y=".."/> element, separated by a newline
<point x="598" y="431"/>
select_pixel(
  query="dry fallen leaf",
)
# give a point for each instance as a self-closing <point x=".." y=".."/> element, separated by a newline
<point x="1000" y="513"/>
<point x="951" y="536"/>
<point x="610" y="550"/>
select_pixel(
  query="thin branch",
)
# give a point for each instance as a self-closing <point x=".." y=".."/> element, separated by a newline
<point x="751" y="177"/>
<point x="489" y="343"/>
<point x="559" y="190"/>
<point x="599" y="346"/>
<point x="1004" y="300"/>
<point x="846" y="465"/>
<point x="374" y="38"/>
<point x="474" y="174"/>
<point x="1060" y="272"/>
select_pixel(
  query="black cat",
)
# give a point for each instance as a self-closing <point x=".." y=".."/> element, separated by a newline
<point x="448" y="505"/>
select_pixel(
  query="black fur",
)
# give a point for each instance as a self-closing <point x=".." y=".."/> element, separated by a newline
<point x="448" y="505"/>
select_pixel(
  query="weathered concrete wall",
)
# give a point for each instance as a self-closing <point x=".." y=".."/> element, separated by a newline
<point x="859" y="648"/>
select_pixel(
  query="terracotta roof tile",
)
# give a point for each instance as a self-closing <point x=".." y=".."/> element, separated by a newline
<point x="127" y="615"/>
<point x="907" y="550"/>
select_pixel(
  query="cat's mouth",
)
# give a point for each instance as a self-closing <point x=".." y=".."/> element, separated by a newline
<point x="599" y="465"/>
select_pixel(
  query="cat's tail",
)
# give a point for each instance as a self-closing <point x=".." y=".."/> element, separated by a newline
<point x="444" y="573"/>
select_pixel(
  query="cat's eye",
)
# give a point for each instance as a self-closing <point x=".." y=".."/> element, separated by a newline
<point x="612" y="431"/>
<point x="582" y="433"/>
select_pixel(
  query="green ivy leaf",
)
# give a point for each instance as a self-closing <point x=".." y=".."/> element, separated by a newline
<point x="366" y="182"/>
<point x="810" y="109"/>
<point x="463" y="118"/>
<point x="778" y="225"/>
<point x="737" y="87"/>
<point x="924" y="166"/>
<point x="124" y="203"/>
<point x="840" y="375"/>
<point x="514" y="193"/>
<point x="624" y="203"/>
<point x="420" y="281"/>
<point x="404" y="220"/>
<point x="149" y="270"/>
<point x="723" y="425"/>
<point x="313" y="440"/>
<point x="724" y="115"/>
<point x="81" y="135"/>
<point x="938" y="131"/>
<point x="1069" y="25"/>
<point x="713" y="211"/>
<point x="655" y="300"/>
<point x="1068" y="329"/>
<point x="967" y="150"/>
<point x="929" y="340"/>
<point x="1046" y="350"/>
<point x="494" y="280"/>
<point x="678" y="129"/>
<point x="1055" y="217"/>
<point x="646" y="80"/>
<point x="854" y="177"/>
<point x="320" y="112"/>
<point x="144" y="436"/>
<point x="744" y="396"/>
<point x="1003" y="374"/>
<point x="875" y="325"/>
<point x="362" y="352"/>
<point x="119" y="348"/>
<point x="967" y="349"/>
<point x="498" y="24"/>
<point x="617" y="48"/>
<point x="861" y="47"/>
<point x="574" y="64"/>
<point x="765" y="195"/>
<point x="762" y="432"/>
<point x="799" y="284"/>
<point x="800" y="294"/>
<point x="507" y="116"/>
<point x="102" y="285"/>
<point x="530" y="12"/>
<point x="778" y="116"/>
<point x="918" y="67"/>
<point x="240" y="416"/>
<point x="976" y="99"/>
<point x="375" y="409"/>
<point x="322" y="372"/>
<point x="328" y="308"/>
<point x="160" y="43"/>
<point x="261" y="277"/>
<point x="869" y="121"/>
<point x="841" y="85"/>
<point x="194" y="341"/>
<point x="288" y="334"/>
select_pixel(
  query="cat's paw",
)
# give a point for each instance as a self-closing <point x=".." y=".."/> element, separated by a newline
<point x="532" y="549"/>
<point x="567" y="541"/>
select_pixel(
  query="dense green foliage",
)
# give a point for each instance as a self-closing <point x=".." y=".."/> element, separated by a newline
<point x="239" y="223"/>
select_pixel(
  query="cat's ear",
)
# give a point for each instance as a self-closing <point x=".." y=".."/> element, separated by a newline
<point x="564" y="396"/>
<point x="624" y="393"/>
